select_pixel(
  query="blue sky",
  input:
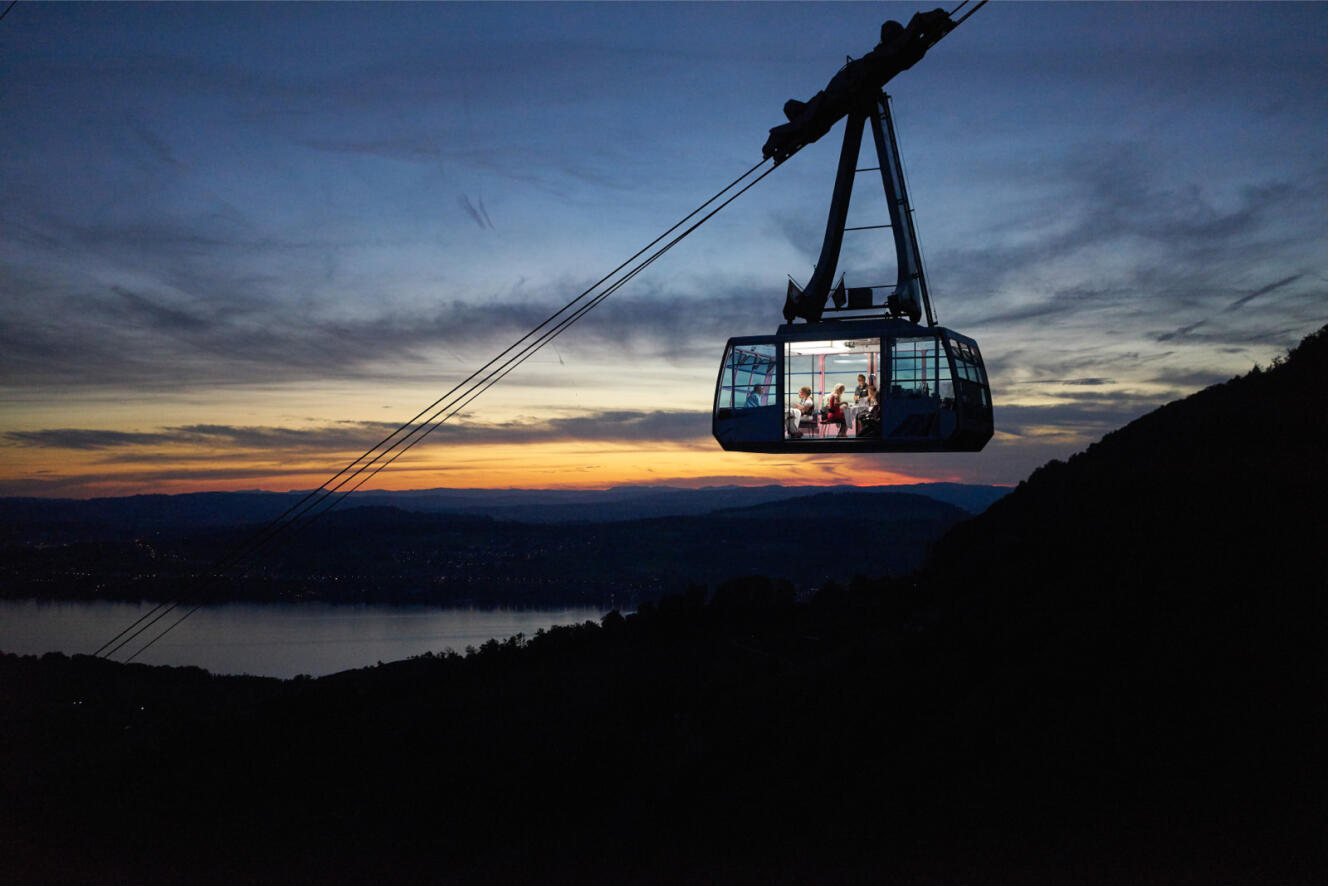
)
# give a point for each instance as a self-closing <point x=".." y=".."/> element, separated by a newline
<point x="236" y="240"/>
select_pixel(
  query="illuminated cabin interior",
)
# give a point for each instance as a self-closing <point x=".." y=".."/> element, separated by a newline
<point x="931" y="388"/>
<point x="930" y="384"/>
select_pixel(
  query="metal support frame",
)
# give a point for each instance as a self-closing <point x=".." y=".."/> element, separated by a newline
<point x="910" y="297"/>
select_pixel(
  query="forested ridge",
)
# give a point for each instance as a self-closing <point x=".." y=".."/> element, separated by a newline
<point x="1114" y="674"/>
<point x="382" y="554"/>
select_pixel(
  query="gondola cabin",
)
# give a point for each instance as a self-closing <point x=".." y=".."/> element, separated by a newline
<point x="864" y="375"/>
<point x="930" y="382"/>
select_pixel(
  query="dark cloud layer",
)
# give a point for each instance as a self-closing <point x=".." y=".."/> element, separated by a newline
<point x="218" y="328"/>
<point x="1186" y="253"/>
<point x="607" y="426"/>
<point x="1134" y="199"/>
<point x="209" y="299"/>
<point x="1081" y="417"/>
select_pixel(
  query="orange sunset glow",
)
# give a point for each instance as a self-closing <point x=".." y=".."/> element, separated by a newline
<point x="274" y="258"/>
<point x="525" y="465"/>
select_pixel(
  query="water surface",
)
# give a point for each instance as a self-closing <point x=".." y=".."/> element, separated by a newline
<point x="272" y="639"/>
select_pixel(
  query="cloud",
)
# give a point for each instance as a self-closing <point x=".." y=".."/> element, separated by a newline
<point x="1027" y="436"/>
<point x="1181" y="378"/>
<point x="1117" y="193"/>
<point x="1083" y="382"/>
<point x="158" y="148"/>
<point x="1235" y="305"/>
<point x="152" y="313"/>
<point x="1116" y="261"/>
<point x="407" y="147"/>
<point x="259" y="215"/>
<point x="614" y="426"/>
<point x="1078" y="417"/>
<point x="334" y="437"/>
<point x="84" y="438"/>
<point x="479" y="214"/>
<point x="205" y="323"/>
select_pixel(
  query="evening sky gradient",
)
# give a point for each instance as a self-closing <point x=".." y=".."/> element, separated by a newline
<point x="239" y="243"/>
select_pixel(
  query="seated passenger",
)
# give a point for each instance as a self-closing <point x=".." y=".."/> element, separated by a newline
<point x="860" y="392"/>
<point x="834" y="410"/>
<point x="873" y="395"/>
<point x="869" y="423"/>
<point x="755" y="397"/>
<point x="802" y="407"/>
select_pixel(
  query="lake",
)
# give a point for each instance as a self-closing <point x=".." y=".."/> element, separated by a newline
<point x="272" y="639"/>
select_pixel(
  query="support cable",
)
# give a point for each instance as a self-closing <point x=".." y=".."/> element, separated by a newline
<point x="306" y="510"/>
<point x="908" y="211"/>
<point x="497" y="375"/>
<point x="981" y="3"/>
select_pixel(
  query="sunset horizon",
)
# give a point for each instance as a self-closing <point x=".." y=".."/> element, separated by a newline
<point x="418" y="465"/>
<point x="241" y="243"/>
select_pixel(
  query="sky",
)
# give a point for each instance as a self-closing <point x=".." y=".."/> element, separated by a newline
<point x="241" y="242"/>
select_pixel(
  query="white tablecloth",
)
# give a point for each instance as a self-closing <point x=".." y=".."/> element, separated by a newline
<point x="851" y="414"/>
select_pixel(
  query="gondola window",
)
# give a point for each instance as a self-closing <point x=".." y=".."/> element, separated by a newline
<point x="918" y="368"/>
<point x="749" y="378"/>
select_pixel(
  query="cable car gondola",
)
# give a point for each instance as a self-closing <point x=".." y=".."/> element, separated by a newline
<point x="931" y="384"/>
<point x="934" y="399"/>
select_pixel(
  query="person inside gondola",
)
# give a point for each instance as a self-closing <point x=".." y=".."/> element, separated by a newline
<point x="803" y="407"/>
<point x="873" y="395"/>
<point x="834" y="410"/>
<point x="860" y="391"/>
<point x="755" y="397"/>
<point x="869" y="423"/>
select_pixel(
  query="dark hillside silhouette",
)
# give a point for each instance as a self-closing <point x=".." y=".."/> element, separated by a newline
<point x="389" y="555"/>
<point x="1114" y="675"/>
<point x="1142" y="629"/>
<point x="1227" y="483"/>
<point x="54" y="521"/>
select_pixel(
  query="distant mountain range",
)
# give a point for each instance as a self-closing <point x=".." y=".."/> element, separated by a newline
<point x="23" y="519"/>
<point x="637" y="502"/>
<point x="1115" y="674"/>
<point x="467" y="546"/>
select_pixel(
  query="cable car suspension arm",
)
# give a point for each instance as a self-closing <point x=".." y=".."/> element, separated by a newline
<point x="856" y="92"/>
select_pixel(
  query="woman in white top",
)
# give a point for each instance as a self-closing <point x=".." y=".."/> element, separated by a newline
<point x="804" y="405"/>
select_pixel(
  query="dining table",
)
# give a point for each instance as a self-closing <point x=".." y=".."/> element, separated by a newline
<point x="851" y="413"/>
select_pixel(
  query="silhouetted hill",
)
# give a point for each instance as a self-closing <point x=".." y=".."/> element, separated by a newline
<point x="59" y="520"/>
<point x="805" y="541"/>
<point x="1225" y="485"/>
<point x="1115" y="675"/>
<point x="388" y="555"/>
<point x="825" y="507"/>
<point x="639" y="502"/>
<point x="1139" y="633"/>
<point x="42" y="520"/>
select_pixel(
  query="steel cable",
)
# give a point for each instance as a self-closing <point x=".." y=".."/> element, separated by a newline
<point x="305" y="511"/>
